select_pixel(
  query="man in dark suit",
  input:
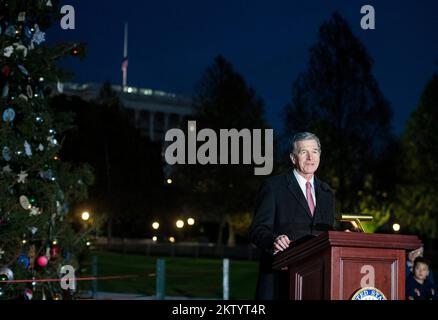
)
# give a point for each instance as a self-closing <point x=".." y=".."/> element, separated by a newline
<point x="289" y="207"/>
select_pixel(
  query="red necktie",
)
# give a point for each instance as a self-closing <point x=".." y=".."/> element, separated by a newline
<point x="309" y="197"/>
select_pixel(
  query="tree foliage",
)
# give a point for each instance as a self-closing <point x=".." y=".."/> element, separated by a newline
<point x="37" y="189"/>
<point x="338" y="99"/>
<point x="223" y="193"/>
<point x="417" y="202"/>
<point x="129" y="189"/>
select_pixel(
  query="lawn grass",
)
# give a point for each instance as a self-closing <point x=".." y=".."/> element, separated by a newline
<point x="187" y="277"/>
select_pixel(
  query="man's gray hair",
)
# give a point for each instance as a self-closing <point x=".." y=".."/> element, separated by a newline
<point x="300" y="136"/>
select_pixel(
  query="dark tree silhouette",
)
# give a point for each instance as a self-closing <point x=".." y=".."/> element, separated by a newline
<point x="339" y="99"/>
<point x="223" y="194"/>
<point x="417" y="202"/>
<point x="128" y="190"/>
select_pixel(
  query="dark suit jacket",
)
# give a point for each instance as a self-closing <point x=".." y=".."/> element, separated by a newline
<point x="281" y="208"/>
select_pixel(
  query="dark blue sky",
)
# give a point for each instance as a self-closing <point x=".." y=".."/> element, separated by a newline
<point x="172" y="42"/>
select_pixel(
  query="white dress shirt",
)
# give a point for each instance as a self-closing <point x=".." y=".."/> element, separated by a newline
<point x="302" y="183"/>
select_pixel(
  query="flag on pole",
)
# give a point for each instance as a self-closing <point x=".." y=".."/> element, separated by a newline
<point x="125" y="64"/>
<point x="125" y="59"/>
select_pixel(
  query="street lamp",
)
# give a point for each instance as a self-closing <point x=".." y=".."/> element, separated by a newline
<point x="169" y="181"/>
<point x="396" y="227"/>
<point x="85" y="215"/>
<point x="190" y="221"/>
<point x="179" y="224"/>
<point x="155" y="225"/>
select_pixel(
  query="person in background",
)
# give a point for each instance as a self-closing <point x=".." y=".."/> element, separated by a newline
<point x="410" y="262"/>
<point x="417" y="287"/>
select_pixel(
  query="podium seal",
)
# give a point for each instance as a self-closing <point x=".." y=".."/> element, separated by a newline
<point x="368" y="293"/>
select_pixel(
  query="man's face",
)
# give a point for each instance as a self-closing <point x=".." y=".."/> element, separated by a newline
<point x="421" y="271"/>
<point x="306" y="159"/>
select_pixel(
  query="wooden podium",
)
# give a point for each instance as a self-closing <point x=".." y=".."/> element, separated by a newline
<point x="336" y="264"/>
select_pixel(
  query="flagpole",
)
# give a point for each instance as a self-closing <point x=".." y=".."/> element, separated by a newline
<point x="125" y="55"/>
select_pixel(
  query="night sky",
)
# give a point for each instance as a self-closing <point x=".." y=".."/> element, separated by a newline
<point x="172" y="42"/>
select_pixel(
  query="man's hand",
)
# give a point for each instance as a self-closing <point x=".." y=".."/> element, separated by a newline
<point x="281" y="243"/>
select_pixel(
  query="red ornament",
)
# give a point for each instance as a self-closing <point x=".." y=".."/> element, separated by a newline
<point x="28" y="294"/>
<point x="6" y="70"/>
<point x="75" y="51"/>
<point x="42" y="261"/>
<point x="55" y="251"/>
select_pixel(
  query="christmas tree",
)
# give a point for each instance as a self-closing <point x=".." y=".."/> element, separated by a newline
<point x="36" y="186"/>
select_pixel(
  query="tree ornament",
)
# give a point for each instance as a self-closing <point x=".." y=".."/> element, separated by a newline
<point x="7" y="169"/>
<point x="27" y="149"/>
<point x="29" y="91"/>
<point x="47" y="255"/>
<point x="47" y="174"/>
<point x="6" y="153"/>
<point x="10" y="31"/>
<point x="31" y="256"/>
<point x="3" y="277"/>
<point x="8" y="115"/>
<point x="22" y="177"/>
<point x="27" y="32"/>
<point x="34" y="211"/>
<point x="24" y="202"/>
<point x="42" y="261"/>
<point x="33" y="230"/>
<point x="57" y="296"/>
<point x="28" y="294"/>
<point x="54" y="252"/>
<point x="23" y="70"/>
<point x="7" y="52"/>
<point x="6" y="70"/>
<point x="43" y="294"/>
<point x="5" y="91"/>
<point x="23" y="260"/>
<point x="21" y="16"/>
<point x="7" y="272"/>
<point x="75" y="51"/>
<point x="38" y="37"/>
<point x="60" y="86"/>
<point x="48" y="3"/>
<point x="20" y="47"/>
<point x="52" y="141"/>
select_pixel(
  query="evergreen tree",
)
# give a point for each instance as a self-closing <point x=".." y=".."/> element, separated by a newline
<point x="129" y="189"/>
<point x="36" y="186"/>
<point x="417" y="202"/>
<point x="338" y="98"/>
<point x="222" y="193"/>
